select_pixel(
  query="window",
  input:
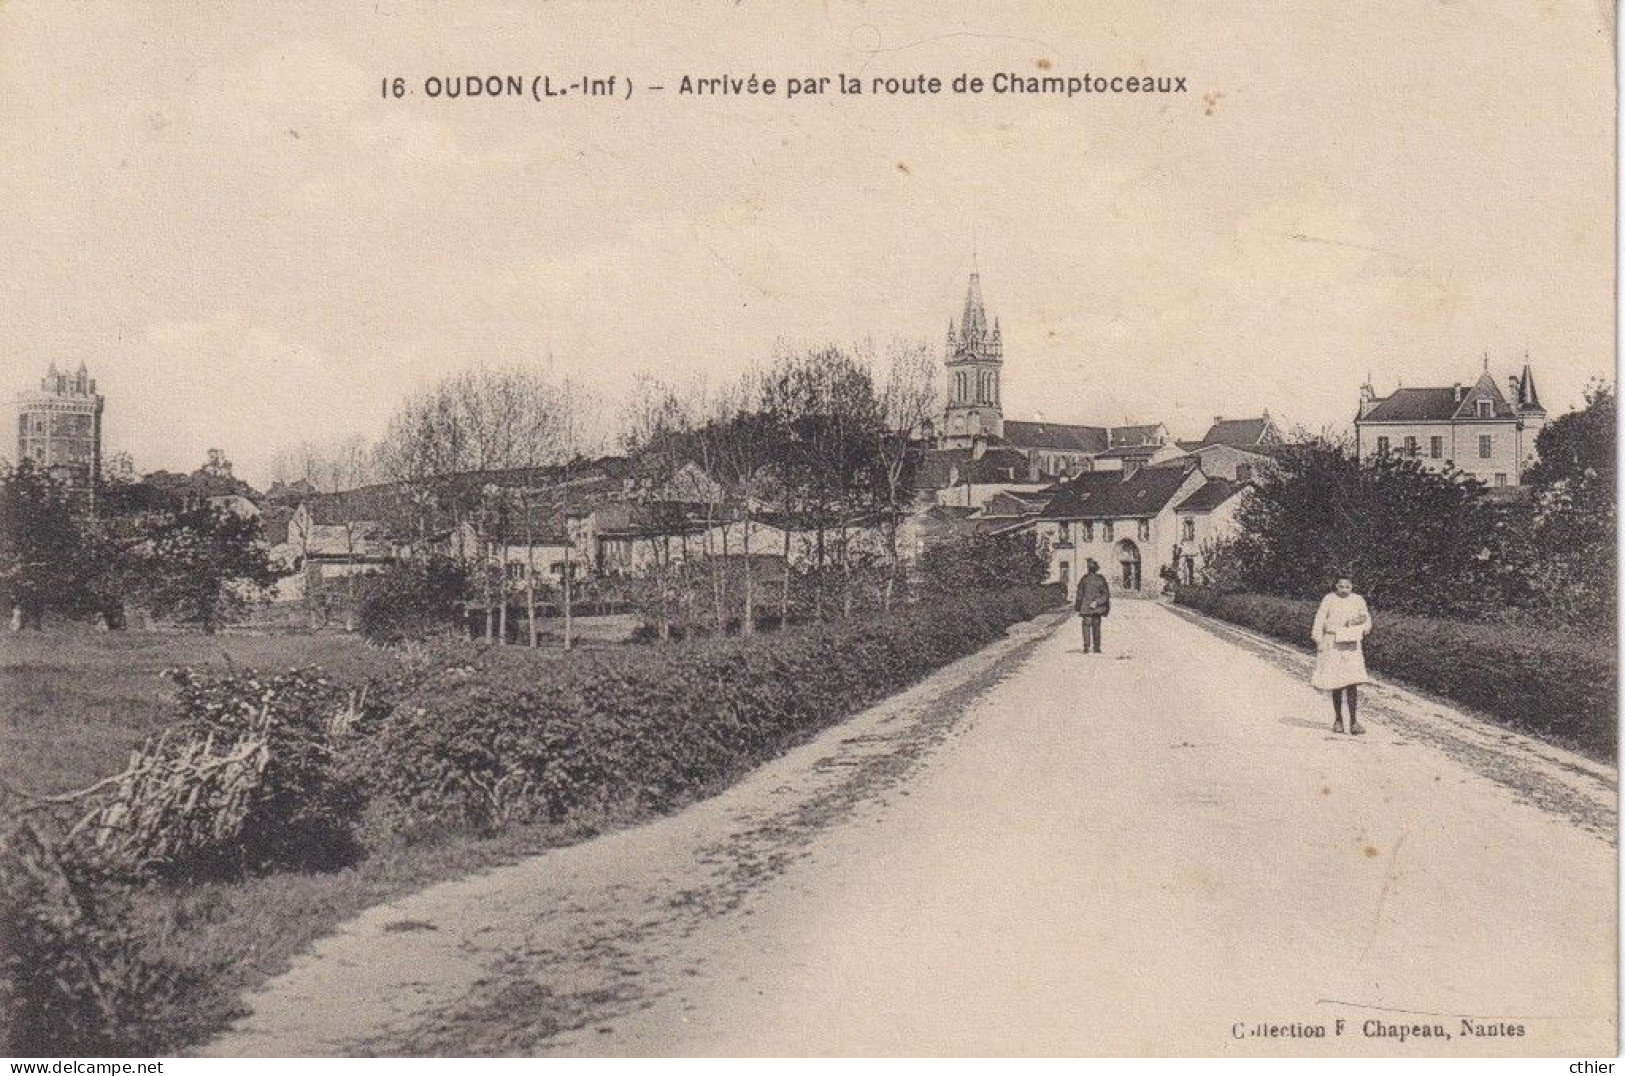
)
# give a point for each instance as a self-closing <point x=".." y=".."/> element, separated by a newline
<point x="1500" y="480"/>
<point x="1410" y="446"/>
<point x="1382" y="446"/>
<point x="1107" y="531"/>
<point x="1145" y="530"/>
<point x="516" y="570"/>
<point x="1088" y="533"/>
<point x="1486" y="447"/>
<point x="1486" y="409"/>
<point x="1436" y="447"/>
<point x="1187" y="530"/>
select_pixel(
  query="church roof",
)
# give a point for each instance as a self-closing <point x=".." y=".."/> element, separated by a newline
<point x="1056" y="436"/>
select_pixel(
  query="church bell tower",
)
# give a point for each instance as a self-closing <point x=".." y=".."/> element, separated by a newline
<point x="975" y="354"/>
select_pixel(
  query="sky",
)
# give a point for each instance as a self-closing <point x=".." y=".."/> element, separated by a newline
<point x="217" y="210"/>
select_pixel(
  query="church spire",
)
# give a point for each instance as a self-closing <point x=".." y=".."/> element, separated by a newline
<point x="974" y="322"/>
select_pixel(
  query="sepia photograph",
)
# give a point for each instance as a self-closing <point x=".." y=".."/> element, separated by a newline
<point x="584" y="528"/>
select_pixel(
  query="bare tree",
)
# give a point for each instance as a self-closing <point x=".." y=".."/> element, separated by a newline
<point x="657" y="427"/>
<point x="485" y="423"/>
<point x="909" y="399"/>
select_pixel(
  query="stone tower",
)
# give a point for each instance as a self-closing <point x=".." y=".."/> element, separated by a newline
<point x="975" y="355"/>
<point x="59" y="429"/>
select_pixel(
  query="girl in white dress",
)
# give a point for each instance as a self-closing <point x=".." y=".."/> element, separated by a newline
<point x="1340" y="628"/>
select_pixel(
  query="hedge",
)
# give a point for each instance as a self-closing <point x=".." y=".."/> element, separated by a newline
<point x="512" y="738"/>
<point x="1546" y="682"/>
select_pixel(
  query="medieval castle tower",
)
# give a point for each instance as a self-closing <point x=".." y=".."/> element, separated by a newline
<point x="59" y="428"/>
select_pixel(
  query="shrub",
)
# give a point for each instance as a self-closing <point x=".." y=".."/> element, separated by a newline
<point x="301" y="809"/>
<point x="413" y="600"/>
<point x="1527" y="676"/>
<point x="73" y="976"/>
<point x="517" y="738"/>
<point x="983" y="562"/>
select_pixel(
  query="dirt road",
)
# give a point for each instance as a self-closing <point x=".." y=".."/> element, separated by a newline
<point x="1161" y="849"/>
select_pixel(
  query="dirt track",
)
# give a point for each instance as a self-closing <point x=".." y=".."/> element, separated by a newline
<point x="1153" y="850"/>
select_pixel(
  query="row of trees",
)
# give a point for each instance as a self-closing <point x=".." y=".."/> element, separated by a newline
<point x="176" y="555"/>
<point x="817" y="445"/>
<point x="814" y="443"/>
<point x="1419" y="540"/>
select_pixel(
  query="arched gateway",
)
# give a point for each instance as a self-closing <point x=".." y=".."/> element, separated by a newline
<point x="1128" y="558"/>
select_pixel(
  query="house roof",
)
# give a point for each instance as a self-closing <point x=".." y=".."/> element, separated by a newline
<point x="1136" y="435"/>
<point x="1413" y="405"/>
<point x="1128" y="452"/>
<point x="1528" y="398"/>
<point x="1238" y="432"/>
<point x="1212" y="494"/>
<point x="1109" y="495"/>
<point x="1446" y="404"/>
<point x="274" y="523"/>
<point x="944" y="467"/>
<point x="935" y="469"/>
<point x="1008" y="504"/>
<point x="996" y="465"/>
<point x="355" y="541"/>
<point x="1056" y="436"/>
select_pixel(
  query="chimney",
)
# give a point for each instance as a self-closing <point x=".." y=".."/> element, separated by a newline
<point x="1512" y="389"/>
<point x="1368" y="398"/>
<point x="1459" y="392"/>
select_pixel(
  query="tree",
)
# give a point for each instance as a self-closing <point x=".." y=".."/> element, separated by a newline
<point x="42" y="553"/>
<point x="909" y="399"/>
<point x="825" y="402"/>
<point x="1411" y="537"/>
<point x="984" y="562"/>
<point x="658" y="434"/>
<point x="200" y="564"/>
<point x="479" y="421"/>
<point x="1570" y="558"/>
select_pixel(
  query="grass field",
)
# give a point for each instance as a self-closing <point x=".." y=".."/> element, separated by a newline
<point x="73" y="702"/>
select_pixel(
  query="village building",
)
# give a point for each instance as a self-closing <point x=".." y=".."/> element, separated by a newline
<point x="1478" y="430"/>
<point x="1244" y="433"/>
<point x="1206" y="516"/>
<point x="1124" y="520"/>
<point x="1238" y="464"/>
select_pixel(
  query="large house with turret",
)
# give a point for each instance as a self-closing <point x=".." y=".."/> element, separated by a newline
<point x="1477" y="429"/>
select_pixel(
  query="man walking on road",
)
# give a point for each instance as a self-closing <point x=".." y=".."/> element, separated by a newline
<point x="1094" y="601"/>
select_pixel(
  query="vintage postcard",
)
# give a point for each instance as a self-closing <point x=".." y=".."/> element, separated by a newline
<point x="808" y="529"/>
